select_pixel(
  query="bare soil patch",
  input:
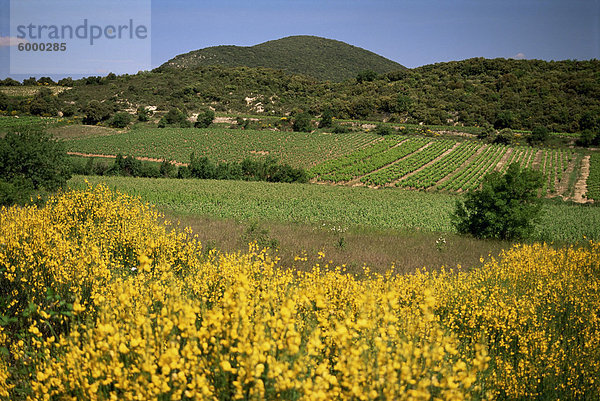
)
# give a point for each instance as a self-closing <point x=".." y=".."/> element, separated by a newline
<point x="82" y="131"/>
<point x="581" y="184"/>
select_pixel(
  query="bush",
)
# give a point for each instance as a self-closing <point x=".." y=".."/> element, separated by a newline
<point x="205" y="119"/>
<point x="143" y="114"/>
<point x="383" y="130"/>
<point x="326" y="119"/>
<point x="32" y="159"/>
<point x="121" y="120"/>
<point x="504" y="137"/>
<point x="539" y="135"/>
<point x="340" y="129"/>
<point x="14" y="192"/>
<point x="302" y="123"/>
<point x="488" y="133"/>
<point x="366" y="76"/>
<point x="96" y="112"/>
<point x="506" y="206"/>
<point x="174" y="117"/>
<point x="588" y="138"/>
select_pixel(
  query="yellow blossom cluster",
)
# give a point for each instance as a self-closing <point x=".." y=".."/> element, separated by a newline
<point x="105" y="301"/>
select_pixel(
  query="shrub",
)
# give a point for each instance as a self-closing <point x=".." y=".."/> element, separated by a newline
<point x="340" y="129"/>
<point x="121" y="120"/>
<point x="302" y="123"/>
<point x="95" y="112"/>
<point x="505" y="137"/>
<point x="205" y="119"/>
<point x="33" y="159"/>
<point x="539" y="135"/>
<point x="326" y="119"/>
<point x="505" y="207"/>
<point x="383" y="130"/>
<point x="143" y="113"/>
<point x="174" y="117"/>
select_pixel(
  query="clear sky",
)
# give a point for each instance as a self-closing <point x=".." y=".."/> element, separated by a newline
<point x="413" y="32"/>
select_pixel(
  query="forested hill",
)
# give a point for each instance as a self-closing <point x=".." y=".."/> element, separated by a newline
<point x="324" y="59"/>
<point x="563" y="96"/>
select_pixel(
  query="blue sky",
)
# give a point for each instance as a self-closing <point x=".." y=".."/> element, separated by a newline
<point x="413" y="33"/>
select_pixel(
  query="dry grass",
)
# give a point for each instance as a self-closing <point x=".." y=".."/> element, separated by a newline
<point x="354" y="247"/>
<point x="81" y="131"/>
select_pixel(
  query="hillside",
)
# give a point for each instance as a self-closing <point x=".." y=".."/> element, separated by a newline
<point x="563" y="96"/>
<point x="324" y="59"/>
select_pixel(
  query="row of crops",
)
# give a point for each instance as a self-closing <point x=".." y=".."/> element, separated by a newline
<point x="593" y="182"/>
<point x="300" y="149"/>
<point x="443" y="164"/>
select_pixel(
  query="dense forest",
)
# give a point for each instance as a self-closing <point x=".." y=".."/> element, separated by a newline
<point x="563" y="96"/>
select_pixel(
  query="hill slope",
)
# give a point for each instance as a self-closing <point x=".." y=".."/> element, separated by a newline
<point x="321" y="58"/>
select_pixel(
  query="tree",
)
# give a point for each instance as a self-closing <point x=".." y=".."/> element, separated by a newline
<point x="539" y="135"/>
<point x="205" y="119"/>
<point x="121" y="120"/>
<point x="384" y="130"/>
<point x="505" y="137"/>
<point x="95" y="112"/>
<point x="366" y="76"/>
<point x="44" y="103"/>
<point x="302" y="122"/>
<point x="29" y="160"/>
<point x="143" y="113"/>
<point x="506" y="206"/>
<point x="174" y="117"/>
<point x="326" y="119"/>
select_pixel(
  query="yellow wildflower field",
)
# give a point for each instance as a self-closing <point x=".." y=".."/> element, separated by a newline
<point x="103" y="300"/>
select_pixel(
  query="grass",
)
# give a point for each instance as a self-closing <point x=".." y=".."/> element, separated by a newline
<point x="18" y="122"/>
<point x="344" y="206"/>
<point x="353" y="247"/>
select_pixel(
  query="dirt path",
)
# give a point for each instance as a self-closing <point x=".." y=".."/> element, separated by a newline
<point x="563" y="185"/>
<point x="144" y="159"/>
<point x="537" y="161"/>
<point x="504" y="159"/>
<point x="581" y="184"/>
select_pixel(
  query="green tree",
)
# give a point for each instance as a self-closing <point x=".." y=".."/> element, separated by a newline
<point x="506" y="206"/>
<point x="366" y="76"/>
<point x="143" y="113"/>
<point x="121" y="120"/>
<point x="204" y="119"/>
<point x="539" y="135"/>
<point x="302" y="122"/>
<point x="505" y="137"/>
<point x="326" y="119"/>
<point x="95" y="112"/>
<point x="384" y="130"/>
<point x="174" y="117"/>
<point x="29" y="160"/>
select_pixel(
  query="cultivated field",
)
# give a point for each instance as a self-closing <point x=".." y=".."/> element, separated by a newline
<point x="446" y="164"/>
<point x="221" y="144"/>
<point x="356" y="158"/>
